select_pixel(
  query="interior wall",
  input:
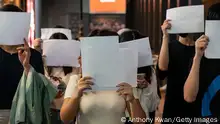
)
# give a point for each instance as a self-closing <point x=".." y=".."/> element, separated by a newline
<point x="61" y="12"/>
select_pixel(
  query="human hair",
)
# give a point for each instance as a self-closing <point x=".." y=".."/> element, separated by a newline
<point x="10" y="8"/>
<point x="183" y="35"/>
<point x="59" y="26"/>
<point x="129" y="35"/>
<point x="66" y="69"/>
<point x="103" y="32"/>
<point x="214" y="12"/>
<point x="58" y="36"/>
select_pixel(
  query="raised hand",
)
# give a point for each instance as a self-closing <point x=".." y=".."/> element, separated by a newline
<point x="126" y="91"/>
<point x="166" y="25"/>
<point x="24" y="55"/>
<point x="201" y="45"/>
<point x="83" y="84"/>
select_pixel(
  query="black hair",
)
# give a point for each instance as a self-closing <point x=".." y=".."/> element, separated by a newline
<point x="59" y="26"/>
<point x="214" y="12"/>
<point x="66" y="70"/>
<point x="183" y="35"/>
<point x="58" y="36"/>
<point x="103" y="32"/>
<point x="10" y="8"/>
<point x="130" y="35"/>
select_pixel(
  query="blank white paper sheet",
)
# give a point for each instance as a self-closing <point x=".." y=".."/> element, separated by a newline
<point x="144" y="51"/>
<point x="101" y="60"/>
<point x="189" y="19"/>
<point x="14" y="27"/>
<point x="212" y="31"/>
<point x="61" y="52"/>
<point x="129" y="63"/>
<point x="46" y="33"/>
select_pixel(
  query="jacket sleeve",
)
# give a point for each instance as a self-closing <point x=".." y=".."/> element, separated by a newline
<point x="18" y="108"/>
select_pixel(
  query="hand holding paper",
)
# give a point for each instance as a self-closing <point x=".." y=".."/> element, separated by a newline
<point x="166" y="25"/>
<point x="83" y="84"/>
<point x="125" y="90"/>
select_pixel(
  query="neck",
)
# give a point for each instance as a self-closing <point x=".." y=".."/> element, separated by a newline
<point x="187" y="41"/>
<point x="10" y="49"/>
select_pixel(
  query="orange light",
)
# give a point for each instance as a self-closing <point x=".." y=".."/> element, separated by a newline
<point x="107" y="6"/>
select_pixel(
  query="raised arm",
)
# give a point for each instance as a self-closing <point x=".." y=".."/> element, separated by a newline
<point x="191" y="86"/>
<point x="164" y="52"/>
<point x="133" y="104"/>
<point x="72" y="97"/>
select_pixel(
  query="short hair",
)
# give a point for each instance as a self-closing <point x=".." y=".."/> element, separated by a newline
<point x="11" y="8"/>
<point x="183" y="35"/>
<point x="103" y="32"/>
<point x="59" y="26"/>
<point x="58" y="36"/>
<point x="214" y="12"/>
<point x="129" y="35"/>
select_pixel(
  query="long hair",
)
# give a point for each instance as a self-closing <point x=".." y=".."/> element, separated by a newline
<point x="66" y="70"/>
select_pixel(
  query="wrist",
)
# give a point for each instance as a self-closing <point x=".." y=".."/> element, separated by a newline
<point x="197" y="58"/>
<point x="165" y="35"/>
<point x="27" y="69"/>
<point x="77" y="94"/>
<point x="27" y="66"/>
<point x="131" y="99"/>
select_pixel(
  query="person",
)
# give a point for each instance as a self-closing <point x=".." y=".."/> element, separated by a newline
<point x="59" y="76"/>
<point x="148" y="89"/>
<point x="203" y="84"/>
<point x="174" y="62"/>
<point x="11" y="70"/>
<point x="101" y="106"/>
<point x="33" y="95"/>
<point x="37" y="44"/>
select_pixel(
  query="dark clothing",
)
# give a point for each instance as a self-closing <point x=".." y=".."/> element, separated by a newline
<point x="208" y="96"/>
<point x="11" y="71"/>
<point x="180" y="62"/>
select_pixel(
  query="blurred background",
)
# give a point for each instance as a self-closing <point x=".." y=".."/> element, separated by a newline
<point x="82" y="16"/>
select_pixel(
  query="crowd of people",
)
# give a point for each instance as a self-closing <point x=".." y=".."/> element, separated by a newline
<point x="33" y="93"/>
